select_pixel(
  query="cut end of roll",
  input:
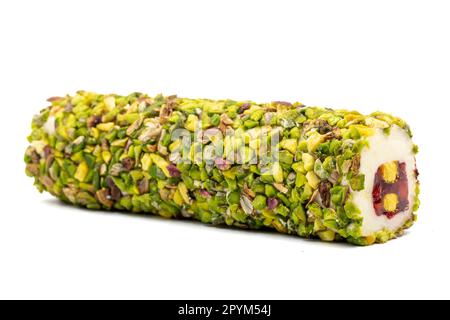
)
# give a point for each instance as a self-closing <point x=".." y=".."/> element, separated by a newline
<point x="389" y="167"/>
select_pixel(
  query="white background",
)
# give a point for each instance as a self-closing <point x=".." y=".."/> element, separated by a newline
<point x="365" y="55"/>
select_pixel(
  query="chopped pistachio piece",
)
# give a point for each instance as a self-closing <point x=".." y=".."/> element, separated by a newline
<point x="312" y="179"/>
<point x="82" y="171"/>
<point x="259" y="202"/>
<point x="290" y="145"/>
<point x="191" y="122"/>
<point x="277" y="172"/>
<point x="105" y="126"/>
<point x="161" y="163"/>
<point x="183" y="192"/>
<point x="313" y="141"/>
<point x="308" y="161"/>
<point x="146" y="161"/>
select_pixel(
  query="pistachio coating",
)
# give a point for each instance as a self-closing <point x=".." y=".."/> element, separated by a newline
<point x="273" y="165"/>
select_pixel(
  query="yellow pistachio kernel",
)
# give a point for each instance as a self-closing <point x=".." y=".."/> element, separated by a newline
<point x="313" y="180"/>
<point x="277" y="172"/>
<point x="390" y="202"/>
<point x="110" y="102"/>
<point x="177" y="198"/>
<point x="370" y="239"/>
<point x="105" y="126"/>
<point x="106" y="156"/>
<point x="191" y="122"/>
<point x="82" y="171"/>
<point x="95" y="133"/>
<point x="313" y="141"/>
<point x="160" y="163"/>
<point x="183" y="192"/>
<point x="174" y="145"/>
<point x="279" y="226"/>
<point x="327" y="235"/>
<point x="146" y="161"/>
<point x="365" y="131"/>
<point x="308" y="161"/>
<point x="289" y="144"/>
<point x="389" y="170"/>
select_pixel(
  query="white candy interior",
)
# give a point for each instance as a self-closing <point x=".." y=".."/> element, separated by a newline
<point x="397" y="146"/>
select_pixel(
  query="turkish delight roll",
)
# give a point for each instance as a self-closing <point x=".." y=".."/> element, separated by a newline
<point x="309" y="171"/>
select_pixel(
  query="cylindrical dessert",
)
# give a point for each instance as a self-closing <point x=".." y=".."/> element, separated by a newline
<point x="309" y="171"/>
